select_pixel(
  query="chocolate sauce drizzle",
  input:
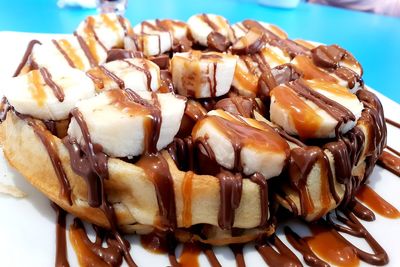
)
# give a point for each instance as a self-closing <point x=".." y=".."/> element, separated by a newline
<point x="61" y="242"/>
<point x="93" y="62"/>
<point x="113" y="77"/>
<point x="57" y="90"/>
<point x="91" y="163"/>
<point x="65" y="55"/>
<point x="145" y="70"/>
<point x="4" y="108"/>
<point x="48" y="141"/>
<point x="340" y="113"/>
<point x="26" y="56"/>
<point x="88" y="160"/>
<point x="93" y="252"/>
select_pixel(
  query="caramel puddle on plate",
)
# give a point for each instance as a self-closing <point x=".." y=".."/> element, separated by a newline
<point x="190" y="255"/>
<point x="330" y="246"/>
<point x="368" y="196"/>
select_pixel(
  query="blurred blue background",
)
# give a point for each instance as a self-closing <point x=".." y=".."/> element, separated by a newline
<point x="373" y="39"/>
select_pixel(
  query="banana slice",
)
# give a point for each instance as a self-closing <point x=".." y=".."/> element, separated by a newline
<point x="138" y="74"/>
<point x="121" y="121"/>
<point x="241" y="28"/>
<point x="48" y="96"/>
<point x="245" y="144"/>
<point x="200" y="75"/>
<point x="201" y="25"/>
<point x="312" y="109"/>
<point x="155" y="37"/>
<point x="60" y="54"/>
<point x="343" y="76"/>
<point x="151" y="39"/>
<point x="108" y="30"/>
<point x="249" y="68"/>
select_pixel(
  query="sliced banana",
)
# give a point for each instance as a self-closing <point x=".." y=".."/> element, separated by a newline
<point x="108" y="30"/>
<point x="151" y="39"/>
<point x="155" y="37"/>
<point x="242" y="143"/>
<point x="201" y="25"/>
<point x="138" y="74"/>
<point x="249" y="68"/>
<point x="311" y="109"/>
<point x="241" y="28"/>
<point x="61" y="53"/>
<point x="200" y="75"/>
<point x="349" y="77"/>
<point x="48" y="96"/>
<point x="121" y="124"/>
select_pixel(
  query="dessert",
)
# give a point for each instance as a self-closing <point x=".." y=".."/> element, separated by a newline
<point x="200" y="132"/>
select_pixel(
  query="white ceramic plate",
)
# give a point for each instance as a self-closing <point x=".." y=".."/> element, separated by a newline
<point x="27" y="225"/>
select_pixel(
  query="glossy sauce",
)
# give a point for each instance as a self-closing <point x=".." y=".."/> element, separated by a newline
<point x="190" y="255"/>
<point x="154" y="243"/>
<point x="22" y="66"/>
<point x="273" y="57"/>
<point x="373" y="200"/>
<point x="187" y="199"/>
<point x="91" y="38"/>
<point x="280" y="256"/>
<point x="311" y="72"/>
<point x="37" y="89"/>
<point x="71" y="54"/>
<point x="109" y="23"/>
<point x="331" y="88"/>
<point x="390" y="162"/>
<point x="57" y="90"/>
<point x="61" y="242"/>
<point x="93" y="253"/>
<point x="246" y="79"/>
<point x="305" y="119"/>
<point x="331" y="246"/>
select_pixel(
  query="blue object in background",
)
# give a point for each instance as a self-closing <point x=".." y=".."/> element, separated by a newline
<point x="373" y="39"/>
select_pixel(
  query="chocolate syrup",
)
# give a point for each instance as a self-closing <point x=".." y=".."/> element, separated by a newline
<point x="61" y="242"/>
<point x="26" y="56"/>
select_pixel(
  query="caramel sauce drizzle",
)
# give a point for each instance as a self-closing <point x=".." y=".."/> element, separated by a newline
<point x="373" y="200"/>
<point x="109" y="23"/>
<point x="190" y="255"/>
<point x="209" y="22"/>
<point x="37" y="89"/>
<point x="246" y="79"/>
<point x="312" y="72"/>
<point x="331" y="246"/>
<point x="70" y="54"/>
<point x="86" y="49"/>
<point x="92" y="39"/>
<point x="331" y="88"/>
<point x="89" y="162"/>
<point x="160" y="169"/>
<point x="305" y="119"/>
<point x="187" y="199"/>
<point x="94" y="253"/>
<point x="64" y="53"/>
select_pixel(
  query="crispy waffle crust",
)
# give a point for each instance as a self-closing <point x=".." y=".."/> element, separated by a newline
<point x="129" y="189"/>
